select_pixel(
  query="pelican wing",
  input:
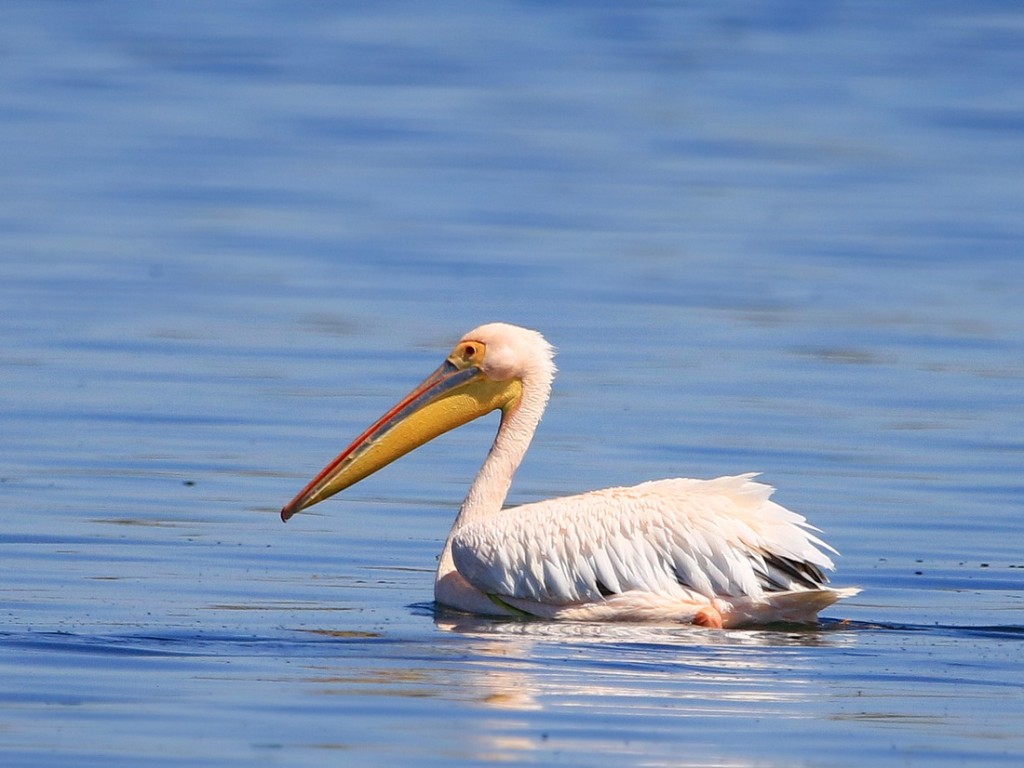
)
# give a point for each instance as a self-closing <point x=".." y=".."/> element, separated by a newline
<point x="691" y="538"/>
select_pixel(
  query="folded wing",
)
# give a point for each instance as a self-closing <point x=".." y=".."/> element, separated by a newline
<point x="721" y="538"/>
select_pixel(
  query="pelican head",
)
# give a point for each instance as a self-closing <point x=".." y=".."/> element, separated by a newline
<point x="486" y="371"/>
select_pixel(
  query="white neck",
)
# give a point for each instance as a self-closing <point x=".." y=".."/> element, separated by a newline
<point x="489" y="489"/>
<point x="491" y="485"/>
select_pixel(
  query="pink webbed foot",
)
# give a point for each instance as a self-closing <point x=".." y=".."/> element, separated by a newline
<point x="708" y="617"/>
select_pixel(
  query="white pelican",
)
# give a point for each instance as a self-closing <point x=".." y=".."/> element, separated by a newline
<point x="717" y="553"/>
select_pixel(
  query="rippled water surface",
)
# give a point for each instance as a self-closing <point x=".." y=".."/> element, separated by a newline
<point x="784" y="240"/>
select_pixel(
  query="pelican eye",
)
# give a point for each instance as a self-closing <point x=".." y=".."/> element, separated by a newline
<point x="471" y="352"/>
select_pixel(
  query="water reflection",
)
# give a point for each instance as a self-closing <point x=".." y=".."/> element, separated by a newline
<point x="633" y="676"/>
<point x="590" y="633"/>
<point x="514" y="658"/>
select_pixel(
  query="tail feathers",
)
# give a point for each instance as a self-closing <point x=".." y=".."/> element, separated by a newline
<point x="798" y="606"/>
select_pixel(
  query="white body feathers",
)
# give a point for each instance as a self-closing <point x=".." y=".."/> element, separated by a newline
<point x="665" y="550"/>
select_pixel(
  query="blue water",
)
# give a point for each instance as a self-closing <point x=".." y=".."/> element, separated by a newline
<point x="783" y="239"/>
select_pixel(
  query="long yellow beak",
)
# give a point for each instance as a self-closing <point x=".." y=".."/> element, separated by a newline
<point x="450" y="397"/>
